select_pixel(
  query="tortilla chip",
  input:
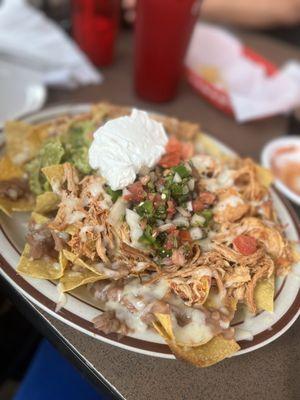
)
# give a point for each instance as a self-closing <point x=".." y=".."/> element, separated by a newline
<point x="9" y="206"/>
<point x="215" y="300"/>
<point x="9" y="170"/>
<point x="46" y="202"/>
<point x="205" y="355"/>
<point x="39" y="218"/>
<point x="73" y="279"/>
<point x="164" y="327"/>
<point x="55" y="175"/>
<point x="264" y="294"/>
<point x="23" y="140"/>
<point x="295" y="252"/>
<point x="264" y="175"/>
<point x="63" y="260"/>
<point x="209" y="146"/>
<point x="44" y="268"/>
<point x="209" y="354"/>
<point x="71" y="229"/>
<point x="76" y="260"/>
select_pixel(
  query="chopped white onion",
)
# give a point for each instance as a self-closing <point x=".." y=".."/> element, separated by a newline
<point x="191" y="184"/>
<point x="183" y="212"/>
<point x="177" y="178"/>
<point x="197" y="220"/>
<point x="181" y="221"/>
<point x="187" y="166"/>
<point x="165" y="227"/>
<point x="196" y="233"/>
<point x="189" y="206"/>
<point x="185" y="189"/>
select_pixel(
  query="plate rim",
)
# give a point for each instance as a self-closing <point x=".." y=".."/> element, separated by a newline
<point x="144" y="346"/>
<point x="266" y="155"/>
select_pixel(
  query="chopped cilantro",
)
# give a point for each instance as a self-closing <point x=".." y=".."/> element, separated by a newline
<point x="114" y="194"/>
<point x="181" y="170"/>
<point x="207" y="214"/>
<point x="145" y="209"/>
<point x="147" y="237"/>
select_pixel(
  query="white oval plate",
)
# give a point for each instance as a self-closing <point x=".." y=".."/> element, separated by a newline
<point x="77" y="313"/>
<point x="21" y="91"/>
<point x="266" y="157"/>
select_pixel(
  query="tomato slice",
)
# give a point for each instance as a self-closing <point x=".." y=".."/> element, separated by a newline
<point x="245" y="244"/>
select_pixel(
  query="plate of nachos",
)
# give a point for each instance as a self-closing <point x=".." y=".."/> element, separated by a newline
<point x="146" y="233"/>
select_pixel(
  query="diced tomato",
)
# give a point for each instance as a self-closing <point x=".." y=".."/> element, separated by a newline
<point x="198" y="205"/>
<point x="176" y="151"/>
<point x="137" y="192"/>
<point x="185" y="236"/>
<point x="171" y="210"/>
<point x="173" y="145"/>
<point x="245" y="244"/>
<point x="157" y="200"/>
<point x="172" y="229"/>
<point x="207" y="198"/>
<point x="187" y="150"/>
<point x="169" y="160"/>
<point x="171" y="242"/>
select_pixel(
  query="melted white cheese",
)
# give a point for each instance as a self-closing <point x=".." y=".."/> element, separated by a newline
<point x="231" y="201"/>
<point x="133" y="221"/>
<point x="122" y="146"/>
<point x="195" y="332"/>
<point x="243" y="334"/>
<point x="139" y="296"/>
<point x="223" y="181"/>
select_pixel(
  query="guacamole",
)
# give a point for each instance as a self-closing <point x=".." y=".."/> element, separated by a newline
<point x="70" y="147"/>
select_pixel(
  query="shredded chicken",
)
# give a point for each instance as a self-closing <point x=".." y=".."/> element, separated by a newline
<point x="71" y="177"/>
<point x="217" y="202"/>
<point x="193" y="291"/>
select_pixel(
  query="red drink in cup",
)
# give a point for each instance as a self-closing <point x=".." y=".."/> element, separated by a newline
<point x="162" y="32"/>
<point x="95" y="27"/>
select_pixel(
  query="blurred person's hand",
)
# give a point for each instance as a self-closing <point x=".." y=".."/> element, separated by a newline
<point x="252" y="13"/>
<point x="246" y="13"/>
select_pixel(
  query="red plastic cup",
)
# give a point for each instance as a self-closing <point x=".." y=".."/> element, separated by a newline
<point x="95" y="27"/>
<point x="162" y="32"/>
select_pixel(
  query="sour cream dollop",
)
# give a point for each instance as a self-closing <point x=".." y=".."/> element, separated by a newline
<point x="124" y="145"/>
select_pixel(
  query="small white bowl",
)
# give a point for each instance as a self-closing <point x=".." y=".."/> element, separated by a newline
<point x="266" y="157"/>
